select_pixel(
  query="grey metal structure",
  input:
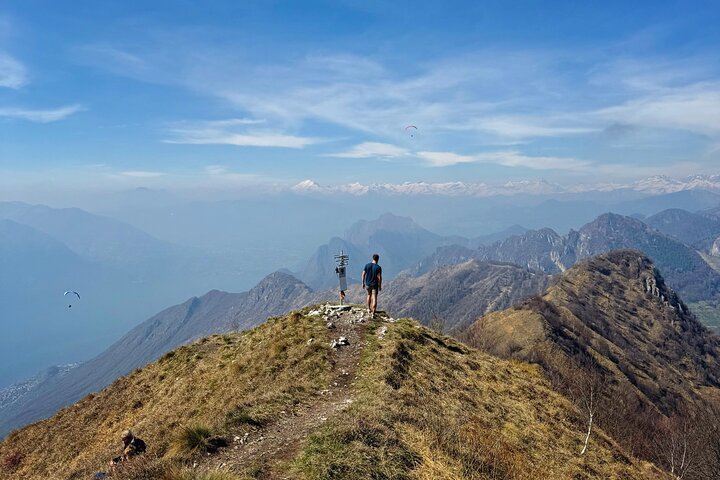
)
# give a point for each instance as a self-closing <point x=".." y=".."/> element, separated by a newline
<point x="342" y="260"/>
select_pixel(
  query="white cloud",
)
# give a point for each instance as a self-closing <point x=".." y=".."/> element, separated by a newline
<point x="505" y="158"/>
<point x="694" y="108"/>
<point x="226" y="132"/>
<point x="373" y="150"/>
<point x="141" y="174"/>
<point x="216" y="169"/>
<point x="526" y="127"/>
<point x="37" y="115"/>
<point x="12" y="72"/>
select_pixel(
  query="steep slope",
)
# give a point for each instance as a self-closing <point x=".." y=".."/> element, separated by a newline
<point x="454" y="296"/>
<point x="542" y="250"/>
<point x="684" y="269"/>
<point x="612" y="320"/>
<point x="17" y="391"/>
<point x="277" y="395"/>
<point x="214" y="312"/>
<point x="694" y="229"/>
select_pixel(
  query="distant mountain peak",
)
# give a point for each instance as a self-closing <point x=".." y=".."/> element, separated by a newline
<point x="654" y="185"/>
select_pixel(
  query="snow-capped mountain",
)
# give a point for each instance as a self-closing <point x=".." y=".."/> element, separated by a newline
<point x="656" y="185"/>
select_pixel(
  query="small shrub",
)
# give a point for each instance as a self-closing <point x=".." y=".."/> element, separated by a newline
<point x="12" y="461"/>
<point x="190" y="440"/>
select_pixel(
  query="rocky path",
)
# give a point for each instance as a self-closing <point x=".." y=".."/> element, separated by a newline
<point x="263" y="451"/>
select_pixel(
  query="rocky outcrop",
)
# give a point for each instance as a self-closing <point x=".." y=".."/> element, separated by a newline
<point x="715" y="249"/>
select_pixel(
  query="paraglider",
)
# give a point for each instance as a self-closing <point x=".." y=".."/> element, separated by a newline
<point x="411" y="129"/>
<point x="71" y="293"/>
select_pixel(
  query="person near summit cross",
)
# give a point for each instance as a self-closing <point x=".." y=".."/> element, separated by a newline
<point x="372" y="283"/>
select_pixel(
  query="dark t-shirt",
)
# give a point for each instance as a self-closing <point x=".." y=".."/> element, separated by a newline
<point x="372" y="270"/>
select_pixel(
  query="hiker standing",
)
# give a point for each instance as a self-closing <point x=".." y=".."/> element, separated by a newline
<point x="372" y="283"/>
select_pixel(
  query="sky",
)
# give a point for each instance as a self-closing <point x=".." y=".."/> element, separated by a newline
<point x="228" y="94"/>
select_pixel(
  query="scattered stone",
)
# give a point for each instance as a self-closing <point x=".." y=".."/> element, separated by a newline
<point x="330" y="325"/>
<point x="310" y="341"/>
<point x="382" y="331"/>
<point x="314" y="313"/>
<point x="340" y="342"/>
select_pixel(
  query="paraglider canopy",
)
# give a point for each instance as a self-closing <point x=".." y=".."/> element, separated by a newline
<point x="71" y="293"/>
<point x="411" y="129"/>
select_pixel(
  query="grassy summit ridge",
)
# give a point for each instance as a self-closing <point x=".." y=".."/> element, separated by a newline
<point x="400" y="401"/>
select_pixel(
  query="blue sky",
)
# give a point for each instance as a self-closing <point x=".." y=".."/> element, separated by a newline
<point x="222" y="94"/>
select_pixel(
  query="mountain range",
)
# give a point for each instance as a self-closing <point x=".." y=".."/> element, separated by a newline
<point x="547" y="251"/>
<point x="656" y="185"/>
<point x="610" y="324"/>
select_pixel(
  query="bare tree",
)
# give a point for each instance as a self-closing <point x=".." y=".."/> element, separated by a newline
<point x="586" y="392"/>
<point x="679" y="447"/>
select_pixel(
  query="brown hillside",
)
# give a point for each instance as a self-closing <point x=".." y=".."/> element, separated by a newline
<point x="611" y="321"/>
<point x="399" y="402"/>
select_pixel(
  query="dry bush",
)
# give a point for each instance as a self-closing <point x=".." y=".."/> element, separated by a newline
<point x="195" y="439"/>
<point x="12" y="461"/>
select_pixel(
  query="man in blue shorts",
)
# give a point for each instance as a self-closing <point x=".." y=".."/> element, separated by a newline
<point x="372" y="283"/>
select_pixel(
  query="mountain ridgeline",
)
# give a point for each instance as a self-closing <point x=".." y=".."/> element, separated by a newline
<point x="612" y="333"/>
<point x="547" y="251"/>
<point x="279" y="401"/>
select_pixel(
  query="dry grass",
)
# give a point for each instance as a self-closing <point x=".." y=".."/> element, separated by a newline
<point x="191" y="440"/>
<point x="429" y="408"/>
<point x="424" y="407"/>
<point x="261" y="372"/>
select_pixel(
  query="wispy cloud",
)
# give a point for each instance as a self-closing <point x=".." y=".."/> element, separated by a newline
<point x="505" y="158"/>
<point x="526" y="127"/>
<point x="694" y="108"/>
<point x="373" y="150"/>
<point x="226" y="132"/>
<point x="12" y="73"/>
<point x="141" y="174"/>
<point x="40" y="115"/>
